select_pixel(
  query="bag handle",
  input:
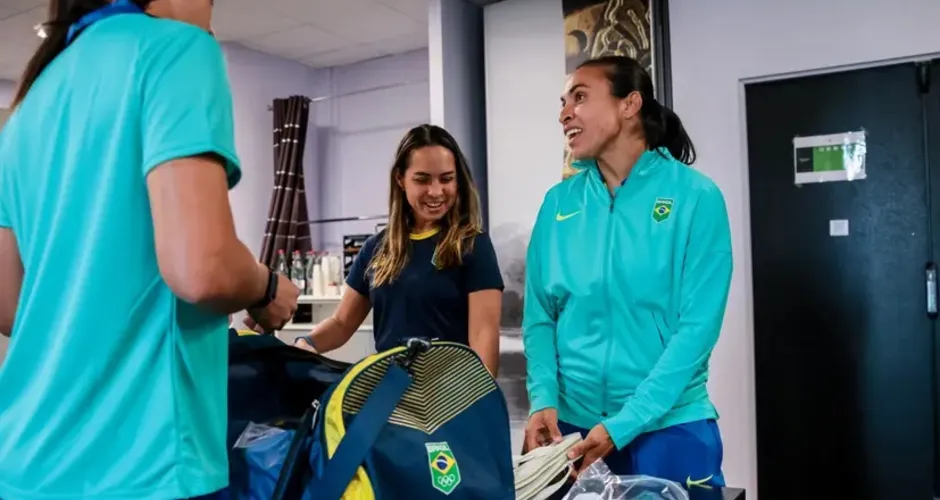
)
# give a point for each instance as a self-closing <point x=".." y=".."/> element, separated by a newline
<point x="295" y="456"/>
<point x="366" y="426"/>
<point x="360" y="436"/>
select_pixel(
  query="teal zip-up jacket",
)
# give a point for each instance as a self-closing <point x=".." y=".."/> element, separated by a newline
<point x="624" y="297"/>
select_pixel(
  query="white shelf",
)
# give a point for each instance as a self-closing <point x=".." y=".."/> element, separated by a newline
<point x="312" y="299"/>
<point x="359" y="346"/>
<point x="309" y="326"/>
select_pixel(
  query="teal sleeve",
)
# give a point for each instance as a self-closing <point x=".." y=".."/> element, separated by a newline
<point x="5" y="188"/>
<point x="706" y="280"/>
<point x="4" y="210"/>
<point x="186" y="105"/>
<point x="539" y="318"/>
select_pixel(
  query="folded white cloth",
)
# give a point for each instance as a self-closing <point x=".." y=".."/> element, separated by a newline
<point x="543" y="471"/>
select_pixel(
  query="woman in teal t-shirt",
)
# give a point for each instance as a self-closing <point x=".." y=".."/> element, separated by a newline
<point x="118" y="258"/>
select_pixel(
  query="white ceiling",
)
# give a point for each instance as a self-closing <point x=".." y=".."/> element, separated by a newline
<point x="318" y="33"/>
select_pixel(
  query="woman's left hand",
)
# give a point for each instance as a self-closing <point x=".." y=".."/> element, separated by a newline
<point x="595" y="446"/>
<point x="303" y="343"/>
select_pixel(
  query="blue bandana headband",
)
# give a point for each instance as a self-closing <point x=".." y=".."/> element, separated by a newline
<point x="112" y="9"/>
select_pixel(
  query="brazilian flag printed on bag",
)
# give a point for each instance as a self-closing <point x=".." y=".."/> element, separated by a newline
<point x="422" y="421"/>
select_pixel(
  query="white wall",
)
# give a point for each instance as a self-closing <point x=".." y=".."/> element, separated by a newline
<point x="375" y="102"/>
<point x="7" y="88"/>
<point x="257" y="79"/>
<point x="457" y="81"/>
<point x="525" y="69"/>
<point x="714" y="45"/>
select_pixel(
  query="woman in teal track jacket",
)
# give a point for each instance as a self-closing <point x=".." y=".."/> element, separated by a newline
<point x="627" y="277"/>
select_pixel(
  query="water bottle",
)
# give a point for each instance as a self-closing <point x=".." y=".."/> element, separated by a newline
<point x="308" y="271"/>
<point x="281" y="267"/>
<point x="297" y="271"/>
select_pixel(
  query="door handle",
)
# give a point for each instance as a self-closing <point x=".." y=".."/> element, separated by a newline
<point x="930" y="276"/>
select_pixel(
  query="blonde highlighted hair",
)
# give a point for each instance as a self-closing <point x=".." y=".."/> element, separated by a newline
<point x="459" y="226"/>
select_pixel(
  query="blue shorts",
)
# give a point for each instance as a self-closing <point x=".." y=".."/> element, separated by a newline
<point x="689" y="454"/>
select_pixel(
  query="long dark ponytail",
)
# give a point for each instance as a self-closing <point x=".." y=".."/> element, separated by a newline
<point x="62" y="15"/>
<point x="662" y="127"/>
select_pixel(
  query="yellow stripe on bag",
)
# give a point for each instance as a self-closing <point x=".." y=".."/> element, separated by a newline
<point x="360" y="488"/>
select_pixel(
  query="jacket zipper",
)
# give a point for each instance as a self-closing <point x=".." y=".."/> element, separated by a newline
<point x="610" y="321"/>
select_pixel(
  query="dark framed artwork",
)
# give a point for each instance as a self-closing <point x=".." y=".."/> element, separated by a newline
<point x="635" y="28"/>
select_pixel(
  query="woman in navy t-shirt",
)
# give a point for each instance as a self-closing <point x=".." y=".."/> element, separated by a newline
<point x="432" y="272"/>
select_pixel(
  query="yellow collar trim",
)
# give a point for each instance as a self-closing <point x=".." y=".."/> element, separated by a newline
<point x="424" y="235"/>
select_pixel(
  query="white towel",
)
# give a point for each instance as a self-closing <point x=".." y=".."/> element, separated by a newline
<point x="543" y="471"/>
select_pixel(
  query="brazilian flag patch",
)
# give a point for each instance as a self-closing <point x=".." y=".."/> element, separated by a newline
<point x="662" y="209"/>
<point x="445" y="474"/>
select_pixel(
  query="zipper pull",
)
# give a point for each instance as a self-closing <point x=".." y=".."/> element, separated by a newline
<point x="316" y="413"/>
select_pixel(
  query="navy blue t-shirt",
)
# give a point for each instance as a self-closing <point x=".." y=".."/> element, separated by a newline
<point x="425" y="301"/>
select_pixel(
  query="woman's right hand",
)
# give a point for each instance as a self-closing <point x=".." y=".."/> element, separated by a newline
<point x="542" y="429"/>
<point x="281" y="310"/>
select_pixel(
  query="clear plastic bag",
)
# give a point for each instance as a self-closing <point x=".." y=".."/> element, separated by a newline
<point x="256" y="432"/>
<point x="256" y="460"/>
<point x="598" y="483"/>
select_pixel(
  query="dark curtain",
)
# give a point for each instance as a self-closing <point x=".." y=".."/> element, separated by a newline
<point x="289" y="200"/>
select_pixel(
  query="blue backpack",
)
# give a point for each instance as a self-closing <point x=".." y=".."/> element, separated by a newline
<point x="421" y="421"/>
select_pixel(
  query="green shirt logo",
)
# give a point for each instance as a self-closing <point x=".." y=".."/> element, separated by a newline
<point x="445" y="474"/>
<point x="662" y="208"/>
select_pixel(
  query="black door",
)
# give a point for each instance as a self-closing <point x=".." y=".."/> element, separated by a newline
<point x="930" y="79"/>
<point x="844" y="350"/>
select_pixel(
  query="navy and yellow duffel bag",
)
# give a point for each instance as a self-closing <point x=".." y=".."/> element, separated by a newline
<point x="421" y="421"/>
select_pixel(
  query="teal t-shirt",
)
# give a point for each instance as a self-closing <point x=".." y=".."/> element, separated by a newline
<point x="113" y="388"/>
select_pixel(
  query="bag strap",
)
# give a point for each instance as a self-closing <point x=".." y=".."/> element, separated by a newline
<point x="295" y="454"/>
<point x="361" y="435"/>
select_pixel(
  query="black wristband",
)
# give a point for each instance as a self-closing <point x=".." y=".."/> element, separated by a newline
<point x="269" y="294"/>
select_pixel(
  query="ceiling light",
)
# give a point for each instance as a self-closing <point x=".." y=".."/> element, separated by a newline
<point x="40" y="30"/>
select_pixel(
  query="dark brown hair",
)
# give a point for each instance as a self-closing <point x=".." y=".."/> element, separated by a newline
<point x="661" y="125"/>
<point x="62" y="14"/>
<point x="461" y="224"/>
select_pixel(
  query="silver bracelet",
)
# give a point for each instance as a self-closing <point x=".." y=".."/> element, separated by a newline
<point x="309" y="342"/>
